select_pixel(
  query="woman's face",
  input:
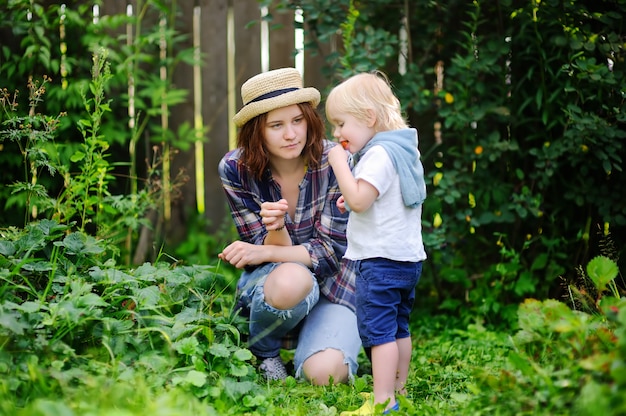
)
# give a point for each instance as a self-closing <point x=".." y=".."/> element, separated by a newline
<point x="285" y="132"/>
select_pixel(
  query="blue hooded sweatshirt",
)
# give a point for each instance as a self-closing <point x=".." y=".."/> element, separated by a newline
<point x="401" y="146"/>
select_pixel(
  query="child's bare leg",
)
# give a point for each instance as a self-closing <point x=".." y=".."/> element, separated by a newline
<point x="404" y="361"/>
<point x="384" y="366"/>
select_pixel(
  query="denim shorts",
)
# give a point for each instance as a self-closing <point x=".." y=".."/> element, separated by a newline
<point x="320" y="323"/>
<point x="329" y="325"/>
<point x="385" y="292"/>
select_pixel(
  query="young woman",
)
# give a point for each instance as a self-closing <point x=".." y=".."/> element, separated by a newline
<point x="282" y="195"/>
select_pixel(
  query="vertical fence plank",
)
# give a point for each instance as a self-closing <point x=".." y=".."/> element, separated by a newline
<point x="247" y="43"/>
<point x="115" y="7"/>
<point x="282" y="39"/>
<point x="183" y="160"/>
<point x="314" y="64"/>
<point x="214" y="92"/>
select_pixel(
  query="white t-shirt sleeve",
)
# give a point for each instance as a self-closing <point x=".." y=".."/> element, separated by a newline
<point x="376" y="168"/>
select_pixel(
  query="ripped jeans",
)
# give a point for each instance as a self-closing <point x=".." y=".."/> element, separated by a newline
<point x="269" y="325"/>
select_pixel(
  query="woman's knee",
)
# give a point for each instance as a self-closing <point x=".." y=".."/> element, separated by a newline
<point x="287" y="285"/>
<point x="326" y="366"/>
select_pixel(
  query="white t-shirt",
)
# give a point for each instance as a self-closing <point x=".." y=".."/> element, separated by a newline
<point x="388" y="229"/>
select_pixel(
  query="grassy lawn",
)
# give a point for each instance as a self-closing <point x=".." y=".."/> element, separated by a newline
<point x="79" y="337"/>
<point x="446" y="359"/>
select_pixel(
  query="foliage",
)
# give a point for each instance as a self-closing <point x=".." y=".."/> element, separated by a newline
<point x="564" y="358"/>
<point x="71" y="322"/>
<point x="82" y="335"/>
<point x="30" y="133"/>
<point x="559" y="361"/>
<point x="526" y="99"/>
<point x="521" y="111"/>
<point x="54" y="41"/>
<point x="85" y="198"/>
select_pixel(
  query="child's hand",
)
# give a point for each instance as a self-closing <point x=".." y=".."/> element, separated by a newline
<point x="337" y="155"/>
<point x="341" y="204"/>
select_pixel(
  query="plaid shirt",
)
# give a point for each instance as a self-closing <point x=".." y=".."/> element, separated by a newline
<point x="318" y="225"/>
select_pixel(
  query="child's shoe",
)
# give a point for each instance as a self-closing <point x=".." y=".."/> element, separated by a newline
<point x="368" y="407"/>
<point x="394" y="408"/>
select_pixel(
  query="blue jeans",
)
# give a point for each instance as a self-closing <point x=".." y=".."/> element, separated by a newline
<point x="321" y="324"/>
<point x="385" y="292"/>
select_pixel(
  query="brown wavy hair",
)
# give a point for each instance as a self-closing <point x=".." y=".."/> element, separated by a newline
<point x="254" y="154"/>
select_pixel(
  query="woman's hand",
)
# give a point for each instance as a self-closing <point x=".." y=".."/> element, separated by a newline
<point x="273" y="214"/>
<point x="241" y="254"/>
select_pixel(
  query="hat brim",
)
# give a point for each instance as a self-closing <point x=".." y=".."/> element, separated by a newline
<point x="251" y="110"/>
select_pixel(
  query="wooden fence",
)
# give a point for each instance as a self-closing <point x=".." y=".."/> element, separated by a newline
<point x="233" y="50"/>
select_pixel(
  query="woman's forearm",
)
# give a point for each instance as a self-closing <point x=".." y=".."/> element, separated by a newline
<point x="281" y="254"/>
<point x="278" y="238"/>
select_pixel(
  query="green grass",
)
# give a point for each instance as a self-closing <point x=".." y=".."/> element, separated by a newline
<point x="79" y="336"/>
<point x="456" y="369"/>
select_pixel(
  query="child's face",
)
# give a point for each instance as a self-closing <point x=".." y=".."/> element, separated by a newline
<point x="352" y="133"/>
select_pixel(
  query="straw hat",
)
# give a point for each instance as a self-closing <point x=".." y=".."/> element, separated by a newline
<point x="271" y="90"/>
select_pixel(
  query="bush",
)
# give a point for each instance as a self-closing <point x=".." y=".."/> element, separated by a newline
<point x="521" y="117"/>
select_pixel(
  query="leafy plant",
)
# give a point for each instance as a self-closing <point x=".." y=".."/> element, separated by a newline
<point x="85" y="198"/>
<point x="602" y="271"/>
<point x="79" y="334"/>
<point x="564" y="358"/>
<point x="83" y="194"/>
<point x="68" y="318"/>
<point x="142" y="51"/>
<point x="30" y="133"/>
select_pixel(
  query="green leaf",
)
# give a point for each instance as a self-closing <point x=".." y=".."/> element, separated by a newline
<point x="148" y="297"/>
<point x="193" y="377"/>
<point x="77" y="156"/>
<point x="237" y="388"/>
<point x="90" y="299"/>
<point x="50" y="227"/>
<point x="188" y="346"/>
<point x="11" y="321"/>
<point x="540" y="262"/>
<point x="525" y="284"/>
<point x="219" y="350"/>
<point x="38" y="266"/>
<point x="7" y="248"/>
<point x="196" y="378"/>
<point x="243" y="354"/>
<point x="73" y="243"/>
<point x="29" y="307"/>
<point x="78" y="243"/>
<point x="109" y="276"/>
<point x="539" y="98"/>
<point x="238" y="369"/>
<point x="253" y="400"/>
<point x="602" y="270"/>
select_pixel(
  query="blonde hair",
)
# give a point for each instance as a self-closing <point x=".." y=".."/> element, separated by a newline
<point x="363" y="92"/>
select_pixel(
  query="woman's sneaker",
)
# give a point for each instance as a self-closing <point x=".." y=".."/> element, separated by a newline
<point x="273" y="369"/>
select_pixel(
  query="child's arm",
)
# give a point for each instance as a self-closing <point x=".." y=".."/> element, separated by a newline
<point x="359" y="195"/>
